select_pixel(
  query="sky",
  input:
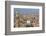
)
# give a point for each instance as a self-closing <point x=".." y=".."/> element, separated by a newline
<point x="26" y="11"/>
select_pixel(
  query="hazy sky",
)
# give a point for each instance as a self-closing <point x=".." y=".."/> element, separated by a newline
<point x="26" y="11"/>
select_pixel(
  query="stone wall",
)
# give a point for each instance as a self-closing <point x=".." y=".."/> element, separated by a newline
<point x="21" y="21"/>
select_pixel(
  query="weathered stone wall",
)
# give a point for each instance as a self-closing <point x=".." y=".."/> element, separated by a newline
<point x="21" y="21"/>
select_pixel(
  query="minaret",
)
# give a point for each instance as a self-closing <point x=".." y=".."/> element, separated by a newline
<point x="17" y="14"/>
<point x="17" y="19"/>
